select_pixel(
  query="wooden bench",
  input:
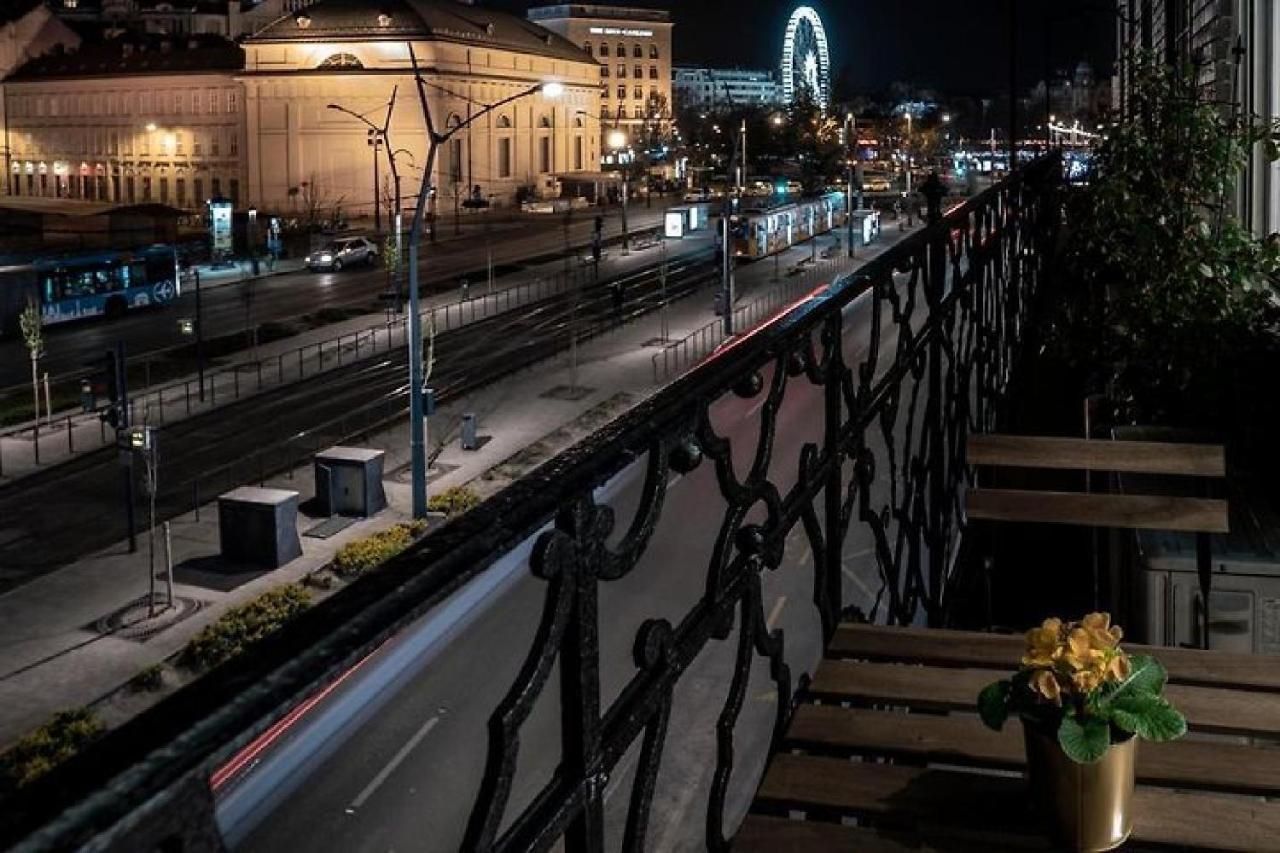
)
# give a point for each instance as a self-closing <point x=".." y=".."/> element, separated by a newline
<point x="1201" y="516"/>
<point x="888" y="735"/>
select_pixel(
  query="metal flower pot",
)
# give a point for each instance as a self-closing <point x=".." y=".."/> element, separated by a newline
<point x="1089" y="805"/>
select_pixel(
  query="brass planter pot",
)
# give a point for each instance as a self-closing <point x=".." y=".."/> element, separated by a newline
<point x="1090" y="805"/>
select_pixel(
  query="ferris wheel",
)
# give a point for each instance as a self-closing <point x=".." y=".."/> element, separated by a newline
<point x="806" y="65"/>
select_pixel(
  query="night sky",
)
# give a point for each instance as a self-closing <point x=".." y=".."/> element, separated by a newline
<point x="956" y="46"/>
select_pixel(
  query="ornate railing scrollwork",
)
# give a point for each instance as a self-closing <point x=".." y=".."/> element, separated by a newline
<point x="849" y="414"/>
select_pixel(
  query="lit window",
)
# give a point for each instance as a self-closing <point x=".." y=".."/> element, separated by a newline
<point x="653" y="51"/>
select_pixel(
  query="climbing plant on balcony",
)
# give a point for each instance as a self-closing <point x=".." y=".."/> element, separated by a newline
<point x="1174" y="295"/>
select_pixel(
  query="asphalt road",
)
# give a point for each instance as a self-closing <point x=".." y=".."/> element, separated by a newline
<point x="73" y="346"/>
<point x="391" y="759"/>
<point x="53" y="517"/>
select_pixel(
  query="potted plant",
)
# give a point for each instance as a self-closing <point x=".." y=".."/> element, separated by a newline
<point x="1083" y="702"/>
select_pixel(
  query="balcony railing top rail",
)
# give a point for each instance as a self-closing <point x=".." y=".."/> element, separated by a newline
<point x="944" y="313"/>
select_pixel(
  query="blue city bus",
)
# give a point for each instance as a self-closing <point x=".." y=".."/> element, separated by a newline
<point x="96" y="284"/>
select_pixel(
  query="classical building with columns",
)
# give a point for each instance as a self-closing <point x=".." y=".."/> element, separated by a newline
<point x="354" y="55"/>
<point x="180" y="119"/>
<point x="136" y="119"/>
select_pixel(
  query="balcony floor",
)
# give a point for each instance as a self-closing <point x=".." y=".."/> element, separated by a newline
<point x="887" y="753"/>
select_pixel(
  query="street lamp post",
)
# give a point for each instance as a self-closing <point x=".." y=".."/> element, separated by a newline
<point x="417" y="437"/>
<point x="851" y="148"/>
<point x="617" y="140"/>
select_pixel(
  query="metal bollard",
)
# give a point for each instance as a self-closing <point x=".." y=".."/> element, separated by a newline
<point x="71" y="445"/>
<point x="187" y="389"/>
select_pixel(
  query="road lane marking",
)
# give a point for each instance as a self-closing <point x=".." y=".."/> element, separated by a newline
<point x="395" y="762"/>
<point x="776" y="612"/>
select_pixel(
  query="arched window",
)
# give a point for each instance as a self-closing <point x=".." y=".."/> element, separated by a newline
<point x="653" y="51"/>
<point x="622" y="49"/>
<point x="504" y="123"/>
<point x="604" y="49"/>
<point x="637" y="51"/>
<point x="341" y="61"/>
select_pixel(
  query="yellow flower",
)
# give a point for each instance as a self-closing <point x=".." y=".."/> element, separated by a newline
<point x="1102" y="633"/>
<point x="1087" y="680"/>
<point x="1120" y="667"/>
<point x="1046" y="684"/>
<point x="1043" y="644"/>
<point x="1081" y="653"/>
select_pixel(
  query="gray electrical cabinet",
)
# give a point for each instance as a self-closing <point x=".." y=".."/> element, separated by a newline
<point x="350" y="477"/>
<point x="259" y="526"/>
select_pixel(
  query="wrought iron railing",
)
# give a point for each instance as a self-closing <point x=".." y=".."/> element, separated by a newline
<point x="826" y="447"/>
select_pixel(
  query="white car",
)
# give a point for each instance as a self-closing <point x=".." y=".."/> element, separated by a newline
<point x="343" y="252"/>
<point x="700" y="195"/>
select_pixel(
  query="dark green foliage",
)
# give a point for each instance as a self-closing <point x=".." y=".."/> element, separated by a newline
<point x="241" y="627"/>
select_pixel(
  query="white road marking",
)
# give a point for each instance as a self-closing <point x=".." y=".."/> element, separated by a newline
<point x="395" y="762"/>
<point x="776" y="612"/>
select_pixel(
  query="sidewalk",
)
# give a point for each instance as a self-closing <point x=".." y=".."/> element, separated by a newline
<point x="52" y="655"/>
<point x="296" y="357"/>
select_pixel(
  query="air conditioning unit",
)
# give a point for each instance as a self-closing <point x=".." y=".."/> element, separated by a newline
<point x="1244" y="598"/>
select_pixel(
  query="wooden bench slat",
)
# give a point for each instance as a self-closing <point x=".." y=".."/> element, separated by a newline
<point x="1185" y="763"/>
<point x="764" y="834"/>
<point x="1002" y="651"/>
<point x="1139" y="512"/>
<point x="1133" y="457"/>
<point x="1208" y="709"/>
<point x="984" y="802"/>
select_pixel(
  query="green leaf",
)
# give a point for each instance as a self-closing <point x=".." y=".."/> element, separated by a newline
<point x="993" y="704"/>
<point x="1145" y="676"/>
<point x="1084" y="742"/>
<point x="1206" y="271"/>
<point x="1149" y="717"/>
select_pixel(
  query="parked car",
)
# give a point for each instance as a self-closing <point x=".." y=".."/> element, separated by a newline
<point x="343" y="252"/>
<point x="701" y="194"/>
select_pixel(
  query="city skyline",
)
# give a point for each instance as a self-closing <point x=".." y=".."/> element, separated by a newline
<point x="875" y="44"/>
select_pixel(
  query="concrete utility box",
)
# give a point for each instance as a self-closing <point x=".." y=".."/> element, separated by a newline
<point x="469" y="438"/>
<point x="356" y="476"/>
<point x="259" y="526"/>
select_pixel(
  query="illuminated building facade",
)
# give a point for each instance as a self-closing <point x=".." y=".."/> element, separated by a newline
<point x="354" y="54"/>
<point x="138" y="119"/>
<point x="633" y="49"/>
<point x="718" y="90"/>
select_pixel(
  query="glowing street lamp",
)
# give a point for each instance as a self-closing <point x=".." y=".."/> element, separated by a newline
<point x="435" y="138"/>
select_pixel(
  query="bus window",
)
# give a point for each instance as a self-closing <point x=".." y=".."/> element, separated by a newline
<point x="160" y="267"/>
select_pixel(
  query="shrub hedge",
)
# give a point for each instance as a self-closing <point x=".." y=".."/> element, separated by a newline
<point x="453" y="501"/>
<point x="66" y="733"/>
<point x="357" y="557"/>
<point x="243" y="626"/>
